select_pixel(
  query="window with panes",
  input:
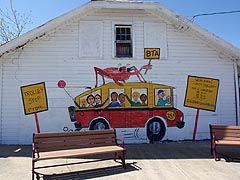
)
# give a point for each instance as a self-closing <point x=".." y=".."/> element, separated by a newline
<point x="123" y="41"/>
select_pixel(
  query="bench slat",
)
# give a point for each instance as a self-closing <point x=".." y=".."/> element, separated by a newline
<point x="60" y="146"/>
<point x="225" y="127"/>
<point x="229" y="138"/>
<point x="230" y="143"/>
<point x="52" y="141"/>
<point x="75" y="133"/>
<point x="79" y="139"/>
<point x="225" y="135"/>
<point x="73" y="136"/>
<point x="227" y="132"/>
<point x="78" y="152"/>
<point x="76" y="141"/>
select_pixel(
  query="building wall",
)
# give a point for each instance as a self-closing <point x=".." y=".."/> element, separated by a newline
<point x="59" y="54"/>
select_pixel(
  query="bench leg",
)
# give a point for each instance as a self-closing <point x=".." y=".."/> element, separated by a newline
<point x="211" y="149"/>
<point x="33" y="167"/>
<point x="123" y="159"/>
<point x="214" y="149"/>
<point x="215" y="152"/>
<point x="115" y="156"/>
<point x="33" y="171"/>
<point x="38" y="177"/>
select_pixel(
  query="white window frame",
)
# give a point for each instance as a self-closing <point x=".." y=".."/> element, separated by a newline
<point x="122" y="24"/>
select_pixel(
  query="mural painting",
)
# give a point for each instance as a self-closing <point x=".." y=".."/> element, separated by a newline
<point x="127" y="105"/>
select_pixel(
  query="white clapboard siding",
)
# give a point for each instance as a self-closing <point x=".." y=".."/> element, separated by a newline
<point x="107" y="39"/>
<point x="155" y="36"/>
<point x="139" y="39"/>
<point x="90" y="39"/>
<point x="59" y="54"/>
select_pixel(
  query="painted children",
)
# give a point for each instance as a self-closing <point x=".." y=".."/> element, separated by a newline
<point x="121" y="98"/>
<point x="114" y="102"/>
<point x="98" y="100"/>
<point x="135" y="101"/>
<point x="161" y="100"/>
<point x="90" y="100"/>
<point x="143" y="98"/>
<point x="83" y="102"/>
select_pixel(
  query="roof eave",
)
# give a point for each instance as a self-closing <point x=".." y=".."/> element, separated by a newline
<point x="41" y="30"/>
<point x="183" y="24"/>
<point x="221" y="45"/>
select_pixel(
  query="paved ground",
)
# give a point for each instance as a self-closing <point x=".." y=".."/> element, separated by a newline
<point x="166" y="161"/>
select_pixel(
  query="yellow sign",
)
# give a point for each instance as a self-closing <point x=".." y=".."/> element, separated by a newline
<point x="151" y="53"/>
<point x="201" y="93"/>
<point x="34" y="98"/>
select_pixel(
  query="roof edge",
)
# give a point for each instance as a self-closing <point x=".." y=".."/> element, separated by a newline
<point x="42" y="29"/>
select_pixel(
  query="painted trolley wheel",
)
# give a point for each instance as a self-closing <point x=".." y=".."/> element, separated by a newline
<point x="99" y="124"/>
<point x="155" y="130"/>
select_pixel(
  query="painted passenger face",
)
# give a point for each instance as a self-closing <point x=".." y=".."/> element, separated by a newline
<point x="121" y="98"/>
<point x="143" y="98"/>
<point x="90" y="100"/>
<point x="135" y="97"/>
<point x="98" y="99"/>
<point x="114" y="97"/>
<point x="161" y="95"/>
<point x="83" y="102"/>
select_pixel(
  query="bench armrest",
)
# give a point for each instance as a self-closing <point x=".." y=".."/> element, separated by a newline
<point x="213" y="139"/>
<point x="121" y="142"/>
<point x="34" y="151"/>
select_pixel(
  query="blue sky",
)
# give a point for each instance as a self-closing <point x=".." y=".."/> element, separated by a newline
<point x="225" y="26"/>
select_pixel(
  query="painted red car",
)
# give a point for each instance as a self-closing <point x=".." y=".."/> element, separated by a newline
<point x="132" y="105"/>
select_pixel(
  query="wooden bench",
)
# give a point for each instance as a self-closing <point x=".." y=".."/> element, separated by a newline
<point x="224" y="136"/>
<point x="47" y="146"/>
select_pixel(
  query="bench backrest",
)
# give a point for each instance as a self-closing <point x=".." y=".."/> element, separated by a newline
<point x="231" y="133"/>
<point x="71" y="140"/>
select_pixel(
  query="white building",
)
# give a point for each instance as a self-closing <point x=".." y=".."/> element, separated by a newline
<point x="69" y="46"/>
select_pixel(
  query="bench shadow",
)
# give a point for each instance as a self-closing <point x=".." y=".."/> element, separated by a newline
<point x="170" y="150"/>
<point x="229" y="153"/>
<point x="94" y="173"/>
<point x="162" y="150"/>
<point x="178" y="150"/>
